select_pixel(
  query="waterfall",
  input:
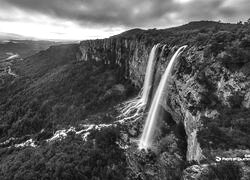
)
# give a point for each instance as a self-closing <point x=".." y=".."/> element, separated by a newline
<point x="153" y="115"/>
<point x="133" y="108"/>
<point x="162" y="51"/>
<point x="149" y="74"/>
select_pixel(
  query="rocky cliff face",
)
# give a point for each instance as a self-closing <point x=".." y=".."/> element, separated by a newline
<point x="209" y="92"/>
<point x="129" y="55"/>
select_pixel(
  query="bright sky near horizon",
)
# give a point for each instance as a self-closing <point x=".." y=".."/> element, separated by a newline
<point x="91" y="19"/>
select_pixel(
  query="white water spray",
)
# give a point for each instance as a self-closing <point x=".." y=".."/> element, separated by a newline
<point x="138" y="104"/>
<point x="153" y="115"/>
<point x="9" y="71"/>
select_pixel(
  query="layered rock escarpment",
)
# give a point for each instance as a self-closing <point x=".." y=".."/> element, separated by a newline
<point x="129" y="55"/>
<point x="209" y="92"/>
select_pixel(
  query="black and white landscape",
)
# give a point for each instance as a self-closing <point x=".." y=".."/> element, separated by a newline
<point x="124" y="90"/>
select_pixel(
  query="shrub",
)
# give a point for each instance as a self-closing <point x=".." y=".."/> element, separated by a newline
<point x="225" y="171"/>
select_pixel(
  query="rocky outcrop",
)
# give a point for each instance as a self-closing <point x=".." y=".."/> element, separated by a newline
<point x="195" y="172"/>
<point x="117" y="90"/>
<point x="246" y="102"/>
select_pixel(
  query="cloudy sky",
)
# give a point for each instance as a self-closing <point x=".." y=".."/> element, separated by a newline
<point x="90" y="19"/>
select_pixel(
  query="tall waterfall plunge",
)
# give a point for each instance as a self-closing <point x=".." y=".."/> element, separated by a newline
<point x="133" y="109"/>
<point x="153" y="115"/>
<point x="148" y="80"/>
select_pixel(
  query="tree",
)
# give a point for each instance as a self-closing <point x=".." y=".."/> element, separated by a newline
<point x="240" y="22"/>
<point x="247" y="22"/>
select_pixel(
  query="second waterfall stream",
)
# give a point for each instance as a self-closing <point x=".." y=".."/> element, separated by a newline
<point x="154" y="111"/>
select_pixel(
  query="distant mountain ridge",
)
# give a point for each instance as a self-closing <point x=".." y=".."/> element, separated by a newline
<point x="194" y="25"/>
<point x="24" y="47"/>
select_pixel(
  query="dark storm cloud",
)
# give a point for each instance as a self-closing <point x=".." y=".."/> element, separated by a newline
<point x="129" y="13"/>
<point x="205" y="10"/>
<point x="99" y="11"/>
<point x="235" y="12"/>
